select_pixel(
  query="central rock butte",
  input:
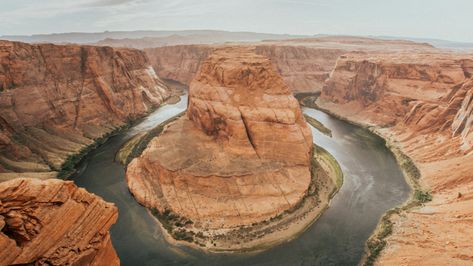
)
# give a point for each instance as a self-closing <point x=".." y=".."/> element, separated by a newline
<point x="241" y="155"/>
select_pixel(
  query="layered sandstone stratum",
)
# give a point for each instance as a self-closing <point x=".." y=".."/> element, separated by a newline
<point x="53" y="222"/>
<point x="55" y="100"/>
<point x="423" y="104"/>
<point x="304" y="64"/>
<point x="241" y="155"/>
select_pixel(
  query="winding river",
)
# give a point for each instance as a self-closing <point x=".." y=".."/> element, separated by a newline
<point x="373" y="183"/>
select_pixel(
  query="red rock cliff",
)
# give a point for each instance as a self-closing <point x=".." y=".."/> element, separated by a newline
<point x="56" y="99"/>
<point x="422" y="103"/>
<point x="54" y="223"/>
<point x="302" y="68"/>
<point x="304" y="64"/>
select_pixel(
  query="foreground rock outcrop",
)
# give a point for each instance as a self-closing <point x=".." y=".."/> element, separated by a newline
<point x="54" y="223"/>
<point x="422" y="104"/>
<point x="55" y="100"/>
<point x="241" y="155"/>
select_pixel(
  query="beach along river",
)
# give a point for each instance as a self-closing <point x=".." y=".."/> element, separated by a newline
<point x="373" y="183"/>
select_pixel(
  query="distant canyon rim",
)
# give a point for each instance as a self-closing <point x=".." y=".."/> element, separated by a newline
<point x="55" y="100"/>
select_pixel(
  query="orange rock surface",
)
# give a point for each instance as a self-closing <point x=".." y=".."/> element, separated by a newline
<point x="241" y="154"/>
<point x="56" y="99"/>
<point x="304" y="64"/>
<point x="54" y="223"/>
<point x="422" y="103"/>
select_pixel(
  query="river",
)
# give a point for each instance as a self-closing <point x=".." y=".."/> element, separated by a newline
<point x="373" y="183"/>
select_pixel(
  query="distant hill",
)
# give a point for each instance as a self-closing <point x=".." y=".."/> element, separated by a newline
<point x="150" y="38"/>
<point x="438" y="43"/>
<point x="166" y="37"/>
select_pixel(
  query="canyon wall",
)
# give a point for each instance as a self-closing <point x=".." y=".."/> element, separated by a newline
<point x="180" y="62"/>
<point x="304" y="69"/>
<point x="55" y="100"/>
<point x="304" y="64"/>
<point x="421" y="103"/>
<point x="54" y="223"/>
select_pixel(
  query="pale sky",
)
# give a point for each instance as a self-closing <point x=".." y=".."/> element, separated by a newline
<point x="443" y="19"/>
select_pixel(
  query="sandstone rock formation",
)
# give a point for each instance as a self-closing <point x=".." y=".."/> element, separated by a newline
<point x="421" y="103"/>
<point x="54" y="223"/>
<point x="304" y="64"/>
<point x="241" y="155"/>
<point x="302" y="68"/>
<point x="54" y="100"/>
<point x="180" y="62"/>
<point x="427" y="93"/>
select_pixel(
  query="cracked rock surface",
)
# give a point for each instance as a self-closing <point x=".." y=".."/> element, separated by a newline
<point x="53" y="222"/>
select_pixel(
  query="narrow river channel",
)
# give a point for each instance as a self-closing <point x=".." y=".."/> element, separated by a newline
<point x="373" y="183"/>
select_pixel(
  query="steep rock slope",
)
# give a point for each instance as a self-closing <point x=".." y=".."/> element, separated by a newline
<point x="180" y="62"/>
<point x="241" y="155"/>
<point x="54" y="100"/>
<point x="304" y="64"/>
<point x="302" y="68"/>
<point x="421" y="103"/>
<point x="54" y="223"/>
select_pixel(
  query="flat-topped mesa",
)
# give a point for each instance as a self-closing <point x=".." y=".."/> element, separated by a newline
<point x="53" y="222"/>
<point x="240" y="156"/>
<point x="242" y="99"/>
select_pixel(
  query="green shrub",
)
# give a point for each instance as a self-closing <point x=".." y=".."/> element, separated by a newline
<point x="422" y="196"/>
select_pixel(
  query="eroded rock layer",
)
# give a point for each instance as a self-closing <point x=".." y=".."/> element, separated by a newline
<point x="422" y="103"/>
<point x="54" y="100"/>
<point x="54" y="223"/>
<point x="304" y="64"/>
<point x="242" y="153"/>
<point x="302" y="68"/>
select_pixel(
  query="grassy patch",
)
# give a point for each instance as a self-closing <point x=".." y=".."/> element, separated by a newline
<point x="377" y="242"/>
<point x="175" y="225"/>
<point x="422" y="196"/>
<point x="125" y="151"/>
<point x="325" y="157"/>
<point x="68" y="166"/>
<point x="318" y="125"/>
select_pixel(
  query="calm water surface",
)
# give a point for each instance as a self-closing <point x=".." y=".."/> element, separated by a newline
<point x="373" y="183"/>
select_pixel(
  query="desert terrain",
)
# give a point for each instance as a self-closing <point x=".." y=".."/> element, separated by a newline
<point x="242" y="154"/>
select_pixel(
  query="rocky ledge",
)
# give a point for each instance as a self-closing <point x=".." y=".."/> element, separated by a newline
<point x="422" y="104"/>
<point x="241" y="156"/>
<point x="55" y="100"/>
<point x="53" y="222"/>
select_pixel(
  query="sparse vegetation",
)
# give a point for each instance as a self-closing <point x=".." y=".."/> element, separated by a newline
<point x="324" y="156"/>
<point x="377" y="242"/>
<point x="318" y="125"/>
<point x="68" y="166"/>
<point x="175" y="225"/>
<point x="422" y="196"/>
<point x="125" y="151"/>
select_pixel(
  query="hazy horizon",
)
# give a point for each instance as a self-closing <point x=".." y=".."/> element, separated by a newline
<point x="413" y="19"/>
